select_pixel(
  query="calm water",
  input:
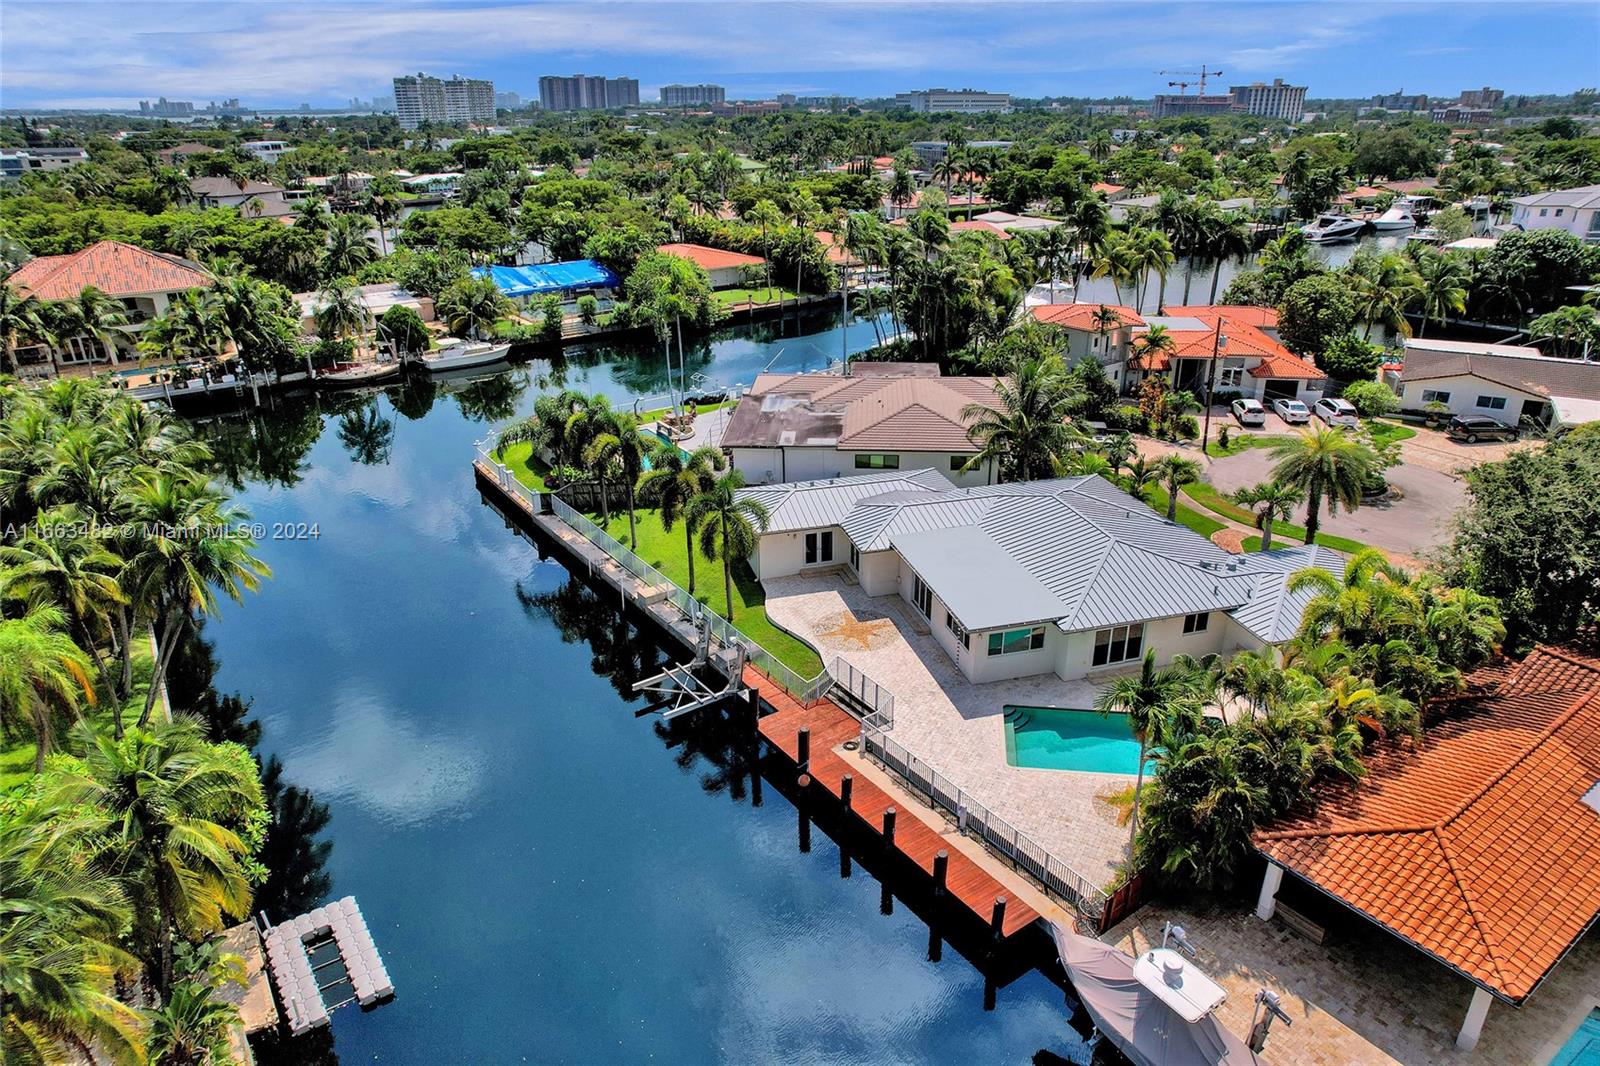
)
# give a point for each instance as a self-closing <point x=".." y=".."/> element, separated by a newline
<point x="1049" y="738"/>
<point x="549" y="877"/>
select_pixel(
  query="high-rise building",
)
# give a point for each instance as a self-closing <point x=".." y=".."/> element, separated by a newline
<point x="1484" y="97"/>
<point x="508" y="101"/>
<point x="953" y="101"/>
<point x="1168" y="105"/>
<point x="587" y="92"/>
<point x="164" y="108"/>
<point x="1400" y="100"/>
<point x="692" y="95"/>
<point x="419" y="98"/>
<point x="1277" y="100"/>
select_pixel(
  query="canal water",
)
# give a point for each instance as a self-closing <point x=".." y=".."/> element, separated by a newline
<point x="549" y="877"/>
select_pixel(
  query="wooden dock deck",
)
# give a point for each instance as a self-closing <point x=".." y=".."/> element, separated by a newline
<point x="830" y="726"/>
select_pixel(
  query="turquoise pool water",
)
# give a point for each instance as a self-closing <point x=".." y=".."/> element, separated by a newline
<point x="1584" y="1047"/>
<point x="1049" y="738"/>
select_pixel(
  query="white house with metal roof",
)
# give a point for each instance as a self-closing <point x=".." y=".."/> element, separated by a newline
<point x="1504" y="381"/>
<point x="1070" y="576"/>
<point x="1575" y="210"/>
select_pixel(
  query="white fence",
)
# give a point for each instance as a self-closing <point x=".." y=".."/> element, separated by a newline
<point x="878" y="700"/>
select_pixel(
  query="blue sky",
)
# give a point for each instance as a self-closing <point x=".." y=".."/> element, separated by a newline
<point x="94" y="54"/>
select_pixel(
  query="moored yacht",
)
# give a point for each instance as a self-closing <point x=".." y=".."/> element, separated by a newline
<point x="1398" y="217"/>
<point x="456" y="354"/>
<point x="1330" y="228"/>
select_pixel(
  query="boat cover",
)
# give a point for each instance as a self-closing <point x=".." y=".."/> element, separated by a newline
<point x="550" y="277"/>
<point x="1133" y="1018"/>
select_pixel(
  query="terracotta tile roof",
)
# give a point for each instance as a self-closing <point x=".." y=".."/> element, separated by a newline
<point x="1259" y="317"/>
<point x="978" y="226"/>
<point x="907" y="410"/>
<point x="1240" y="325"/>
<point x="114" y="268"/>
<point x="710" y="258"/>
<point x="1107" y="188"/>
<point x="1081" y="316"/>
<point x="1477" y="844"/>
<point x="1286" y="366"/>
<point x="835" y="252"/>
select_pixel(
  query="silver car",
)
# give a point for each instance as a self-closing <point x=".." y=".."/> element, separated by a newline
<point x="1292" y="411"/>
<point x="1337" y="412"/>
<point x="1249" y="412"/>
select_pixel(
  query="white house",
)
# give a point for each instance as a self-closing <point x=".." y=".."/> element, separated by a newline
<point x="1102" y="332"/>
<point x="881" y="416"/>
<point x="1503" y="381"/>
<point x="266" y="151"/>
<point x="727" y="270"/>
<point x="1070" y="576"/>
<point x="1575" y="210"/>
<point x="16" y="162"/>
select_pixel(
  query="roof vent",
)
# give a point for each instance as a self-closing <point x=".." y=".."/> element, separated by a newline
<point x="1592" y="798"/>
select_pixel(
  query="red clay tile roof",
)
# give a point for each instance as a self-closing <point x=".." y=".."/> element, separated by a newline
<point x="1106" y="187"/>
<point x="1477" y="846"/>
<point x="1081" y="316"/>
<point x="114" y="268"/>
<point x="710" y="258"/>
<point x="1259" y="317"/>
<point x="834" y="251"/>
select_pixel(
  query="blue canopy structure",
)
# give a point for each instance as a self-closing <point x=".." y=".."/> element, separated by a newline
<point x="550" y="277"/>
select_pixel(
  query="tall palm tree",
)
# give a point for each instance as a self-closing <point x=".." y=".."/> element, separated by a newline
<point x="1153" y="345"/>
<point x="1324" y="464"/>
<point x="1099" y="146"/>
<point x="192" y="328"/>
<point x="1384" y="286"/>
<point x="349" y="248"/>
<point x="341" y="313"/>
<point x="1090" y="220"/>
<point x="20" y="319"/>
<point x="1255" y="677"/>
<point x="766" y="216"/>
<point x="1151" y="251"/>
<point x="172" y="800"/>
<point x="1026" y="436"/>
<point x="730" y="525"/>
<point x="1271" y="502"/>
<point x="672" y="483"/>
<point x="1149" y="698"/>
<point x="1200" y="220"/>
<point x="90" y="314"/>
<point x="42" y="672"/>
<point x="1228" y="238"/>
<point x="619" y="441"/>
<point x="1175" y="471"/>
<point x="1052" y="250"/>
<point x="1442" y="287"/>
<point x="191" y="549"/>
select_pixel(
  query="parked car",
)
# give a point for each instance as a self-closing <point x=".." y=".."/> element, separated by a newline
<point x="1473" y="428"/>
<point x="1292" y="411"/>
<point x="1337" y="412"/>
<point x="1248" y="412"/>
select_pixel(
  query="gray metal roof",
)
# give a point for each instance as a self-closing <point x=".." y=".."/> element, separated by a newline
<point x="1274" y="613"/>
<point x="979" y="583"/>
<point x="816" y="504"/>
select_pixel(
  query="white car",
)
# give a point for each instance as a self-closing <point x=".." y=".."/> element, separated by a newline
<point x="1337" y="412"/>
<point x="1292" y="411"/>
<point x="1248" y="412"/>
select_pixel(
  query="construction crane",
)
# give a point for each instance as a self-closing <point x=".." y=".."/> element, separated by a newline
<point x="1202" y="74"/>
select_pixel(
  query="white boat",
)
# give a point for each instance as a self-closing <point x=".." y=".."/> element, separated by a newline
<point x="1398" y="217"/>
<point x="1328" y="229"/>
<point x="454" y="354"/>
<point x="346" y="375"/>
<point x="1047" y="292"/>
<point x="1425" y="235"/>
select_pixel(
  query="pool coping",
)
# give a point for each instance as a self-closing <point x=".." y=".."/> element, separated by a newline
<point x="1011" y="741"/>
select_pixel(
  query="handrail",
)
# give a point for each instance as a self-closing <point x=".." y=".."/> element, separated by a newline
<point x="1001" y="836"/>
<point x="878" y="700"/>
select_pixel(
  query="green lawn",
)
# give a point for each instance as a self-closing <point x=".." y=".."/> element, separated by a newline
<point x="16" y="754"/>
<point x="667" y="552"/>
<point x="524" y="465"/>
<point x="1385" y="433"/>
<point x="758" y="295"/>
<point x="1204" y="525"/>
<point x="1238" y="442"/>
<point x="704" y="408"/>
<point x="1207" y="496"/>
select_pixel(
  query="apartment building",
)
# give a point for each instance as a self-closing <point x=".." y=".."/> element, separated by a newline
<point x="587" y="92"/>
<point x="953" y="101"/>
<point x="1287" y="102"/>
<point x="420" y="99"/>
<point x="692" y="95"/>
<point x="14" y="164"/>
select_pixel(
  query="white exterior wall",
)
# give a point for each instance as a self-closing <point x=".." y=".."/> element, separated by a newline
<point x="1165" y="635"/>
<point x="731" y="277"/>
<point x="1581" y="222"/>
<point x="879" y="573"/>
<point x="981" y="666"/>
<point x="783" y="554"/>
<point x="762" y="466"/>
<point x="939" y="461"/>
<point x="1465" y="390"/>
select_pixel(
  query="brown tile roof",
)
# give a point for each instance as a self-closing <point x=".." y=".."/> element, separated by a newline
<point x="217" y="187"/>
<point x="114" y="268"/>
<point x="1476" y="845"/>
<point x="1081" y="316"/>
<point x="881" y="408"/>
<point x="710" y="258"/>
<point x="1534" y="374"/>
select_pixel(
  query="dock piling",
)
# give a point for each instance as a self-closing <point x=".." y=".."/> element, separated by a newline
<point x="888" y="826"/>
<point x="846" y="790"/>
<point x="803" y="749"/>
<point x="941" y="870"/>
<point x="998" y="919"/>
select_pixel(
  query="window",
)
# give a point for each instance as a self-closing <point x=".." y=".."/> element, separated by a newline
<point x="1543" y="211"/>
<point x="922" y="596"/>
<point x="1196" y="623"/>
<point x="1231" y="374"/>
<point x="819" y="547"/>
<point x="877" y="462"/>
<point x="855" y="558"/>
<point x="958" y="463"/>
<point x="1492" y="403"/>
<point x="1118" y="644"/>
<point x="959" y="631"/>
<point x="1011" y="641"/>
<point x="1559" y="210"/>
<point x="1435" y="396"/>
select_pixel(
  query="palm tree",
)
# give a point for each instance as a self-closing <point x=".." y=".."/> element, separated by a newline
<point x="619" y="441"/>
<point x="672" y="483"/>
<point x="1175" y="471"/>
<point x="341" y="312"/>
<point x="1148" y="699"/>
<point x="191" y="549"/>
<point x="1090" y="220"/>
<point x="90" y="314"/>
<point x="1383" y="287"/>
<point x="1255" y="677"/>
<point x="42" y="671"/>
<point x="1151" y="251"/>
<point x="1228" y="238"/>
<point x="1026" y="436"/>
<point x="730" y="525"/>
<point x="1051" y="249"/>
<point x="766" y="215"/>
<point x="1119" y="261"/>
<point x="1099" y="146"/>
<point x="348" y="247"/>
<point x="190" y="1026"/>
<point x="1139" y="474"/>
<point x="192" y="328"/>
<point x="171" y="799"/>
<point x="473" y="307"/>
<point x="20" y="319"/>
<point x="1271" y="502"/>
<point x="1153" y="345"/>
<point x="1442" y="288"/>
<point x="1324" y="463"/>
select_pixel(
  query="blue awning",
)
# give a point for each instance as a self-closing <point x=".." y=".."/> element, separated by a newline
<point x="550" y="277"/>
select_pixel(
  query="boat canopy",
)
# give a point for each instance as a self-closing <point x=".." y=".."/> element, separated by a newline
<point x="550" y="277"/>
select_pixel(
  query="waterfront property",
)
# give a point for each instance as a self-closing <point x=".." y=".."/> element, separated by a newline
<point x="726" y="269"/>
<point x="570" y="279"/>
<point x="1480" y="844"/>
<point x="1507" y="382"/>
<point x="376" y="299"/>
<point x="252" y="199"/>
<point x="879" y="416"/>
<point x="1576" y="211"/>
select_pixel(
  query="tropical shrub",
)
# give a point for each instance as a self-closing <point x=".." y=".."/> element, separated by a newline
<point x="1372" y="399"/>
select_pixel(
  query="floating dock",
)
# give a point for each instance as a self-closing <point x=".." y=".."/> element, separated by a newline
<point x="323" y="960"/>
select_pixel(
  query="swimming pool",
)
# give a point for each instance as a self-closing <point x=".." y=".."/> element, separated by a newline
<point x="1051" y="738"/>
<point x="1583" y="1049"/>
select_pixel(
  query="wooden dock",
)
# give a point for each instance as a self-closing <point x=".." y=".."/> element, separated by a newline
<point x="830" y="726"/>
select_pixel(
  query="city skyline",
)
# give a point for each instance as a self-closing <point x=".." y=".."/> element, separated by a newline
<point x="67" y="55"/>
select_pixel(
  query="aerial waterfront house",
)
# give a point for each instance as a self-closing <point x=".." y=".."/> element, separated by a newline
<point x="1577" y="211"/>
<point x="1102" y="332"/>
<point x="725" y="269"/>
<point x="1507" y="382"/>
<point x="1479" y="844"/>
<point x="1070" y="576"/>
<point x="252" y="199"/>
<point x="881" y="416"/>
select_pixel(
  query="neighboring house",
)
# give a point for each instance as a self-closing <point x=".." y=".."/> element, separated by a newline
<point x="1228" y="350"/>
<point x="179" y="154"/>
<point x="882" y="416"/>
<point x="1477" y="844"/>
<point x="968" y="225"/>
<point x="1011" y="223"/>
<point x="17" y="162"/>
<point x="1070" y="576"/>
<point x="144" y="282"/>
<point x="253" y="199"/>
<point x="1575" y="210"/>
<point x="1102" y="332"/>
<point x="376" y="298"/>
<point x="725" y="269"/>
<point x="1503" y="381"/>
<point x="266" y="151"/>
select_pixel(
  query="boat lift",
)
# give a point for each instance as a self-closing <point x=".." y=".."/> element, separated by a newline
<point x="678" y="689"/>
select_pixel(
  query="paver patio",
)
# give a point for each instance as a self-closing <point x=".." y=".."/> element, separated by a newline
<point x="955" y="726"/>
